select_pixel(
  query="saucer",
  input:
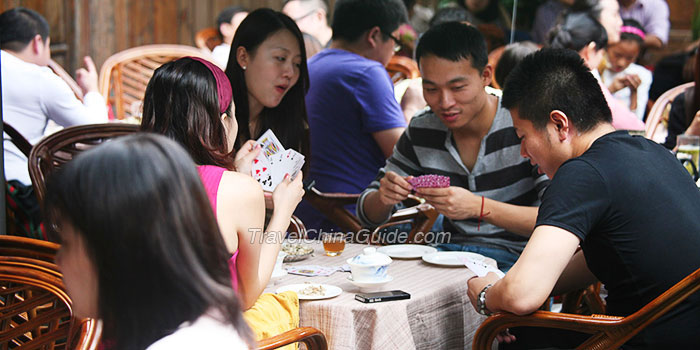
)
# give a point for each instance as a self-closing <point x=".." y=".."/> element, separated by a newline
<point x="371" y="286"/>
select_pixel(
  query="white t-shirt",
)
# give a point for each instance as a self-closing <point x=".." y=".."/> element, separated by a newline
<point x="31" y="96"/>
<point x="204" y="333"/>
<point x="220" y="54"/>
<point x="623" y="95"/>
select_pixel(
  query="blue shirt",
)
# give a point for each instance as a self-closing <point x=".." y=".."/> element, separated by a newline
<point x="350" y="97"/>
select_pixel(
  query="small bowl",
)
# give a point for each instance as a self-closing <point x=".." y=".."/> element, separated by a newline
<point x="370" y="266"/>
<point x="296" y="252"/>
<point x="371" y="286"/>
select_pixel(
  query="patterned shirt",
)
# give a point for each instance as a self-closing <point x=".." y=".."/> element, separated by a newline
<point x="500" y="173"/>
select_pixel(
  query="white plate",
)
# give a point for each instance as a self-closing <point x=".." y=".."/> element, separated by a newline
<point x="331" y="291"/>
<point x="406" y="251"/>
<point x="371" y="286"/>
<point x="450" y="258"/>
<point x="277" y="274"/>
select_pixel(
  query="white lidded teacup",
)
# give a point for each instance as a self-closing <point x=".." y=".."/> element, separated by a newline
<point x="370" y="266"/>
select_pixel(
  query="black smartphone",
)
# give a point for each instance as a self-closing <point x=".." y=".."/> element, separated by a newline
<point x="382" y="296"/>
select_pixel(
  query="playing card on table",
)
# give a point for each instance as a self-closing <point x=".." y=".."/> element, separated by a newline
<point x="311" y="270"/>
<point x="480" y="267"/>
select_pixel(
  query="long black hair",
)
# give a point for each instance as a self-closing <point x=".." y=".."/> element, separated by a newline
<point x="181" y="102"/>
<point x="288" y="120"/>
<point x="139" y="205"/>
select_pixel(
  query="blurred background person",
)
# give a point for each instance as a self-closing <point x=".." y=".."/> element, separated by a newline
<point x="227" y="22"/>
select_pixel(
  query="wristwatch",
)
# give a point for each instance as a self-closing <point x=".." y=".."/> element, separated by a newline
<point x="481" y="301"/>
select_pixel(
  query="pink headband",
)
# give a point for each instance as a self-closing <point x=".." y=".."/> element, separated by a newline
<point x="223" y="85"/>
<point x="632" y="30"/>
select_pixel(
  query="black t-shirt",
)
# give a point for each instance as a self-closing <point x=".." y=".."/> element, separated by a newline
<point x="637" y="213"/>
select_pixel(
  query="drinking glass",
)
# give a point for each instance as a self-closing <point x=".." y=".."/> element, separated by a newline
<point x="333" y="243"/>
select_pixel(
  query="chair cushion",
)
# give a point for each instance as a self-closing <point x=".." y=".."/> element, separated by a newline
<point x="274" y="314"/>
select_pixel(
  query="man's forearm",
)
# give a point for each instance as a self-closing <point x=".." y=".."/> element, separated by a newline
<point x="514" y="218"/>
<point x="374" y="210"/>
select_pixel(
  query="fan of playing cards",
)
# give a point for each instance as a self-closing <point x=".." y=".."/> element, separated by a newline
<point x="274" y="162"/>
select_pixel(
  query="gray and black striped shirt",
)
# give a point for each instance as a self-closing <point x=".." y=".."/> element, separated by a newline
<point x="500" y="173"/>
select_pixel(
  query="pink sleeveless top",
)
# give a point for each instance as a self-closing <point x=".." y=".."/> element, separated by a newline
<point x="211" y="178"/>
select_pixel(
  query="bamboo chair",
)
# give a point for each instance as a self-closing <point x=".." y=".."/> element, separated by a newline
<point x="608" y="332"/>
<point x="207" y="39"/>
<point x="655" y="126"/>
<point x="125" y="75"/>
<point x="35" y="310"/>
<point x="57" y="149"/>
<point x="56" y="68"/>
<point x="400" y="68"/>
<point x="309" y="336"/>
<point x="332" y="205"/>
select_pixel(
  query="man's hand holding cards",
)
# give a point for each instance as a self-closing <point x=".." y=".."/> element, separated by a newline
<point x="274" y="162"/>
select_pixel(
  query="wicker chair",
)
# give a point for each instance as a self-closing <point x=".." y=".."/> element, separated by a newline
<point x="207" y="39"/>
<point x="332" y="205"/>
<point x="608" y="332"/>
<point x="309" y="336"/>
<point x="35" y="311"/>
<point x="57" y="149"/>
<point x="655" y="128"/>
<point x="400" y="67"/>
<point x="56" y="68"/>
<point x="125" y="75"/>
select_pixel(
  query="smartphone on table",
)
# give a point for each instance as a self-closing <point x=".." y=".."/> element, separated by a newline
<point x="382" y="296"/>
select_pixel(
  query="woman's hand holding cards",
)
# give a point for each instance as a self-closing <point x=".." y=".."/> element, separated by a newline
<point x="244" y="157"/>
<point x="287" y="195"/>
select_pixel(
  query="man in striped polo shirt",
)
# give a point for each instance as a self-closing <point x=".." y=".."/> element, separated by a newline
<point x="491" y="205"/>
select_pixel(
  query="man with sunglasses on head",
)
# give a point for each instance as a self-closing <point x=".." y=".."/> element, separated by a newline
<point x="354" y="119"/>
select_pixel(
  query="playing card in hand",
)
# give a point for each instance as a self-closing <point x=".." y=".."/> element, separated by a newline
<point x="278" y="162"/>
<point x="269" y="143"/>
<point x="480" y="267"/>
<point x="431" y="181"/>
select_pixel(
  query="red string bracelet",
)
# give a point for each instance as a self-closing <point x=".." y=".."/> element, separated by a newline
<point x="481" y="215"/>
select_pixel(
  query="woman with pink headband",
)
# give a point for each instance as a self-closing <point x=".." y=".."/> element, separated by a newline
<point x="627" y="81"/>
<point x="189" y="100"/>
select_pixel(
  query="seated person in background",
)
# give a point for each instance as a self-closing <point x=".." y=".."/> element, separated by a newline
<point x="311" y="45"/>
<point x="147" y="257"/>
<point x="32" y="94"/>
<point x="451" y="14"/>
<point x="189" y="100"/>
<point x="512" y="55"/>
<point x="626" y="80"/>
<point x="684" y="117"/>
<point x="653" y="16"/>
<point x="312" y="17"/>
<point x="268" y="74"/>
<point x="545" y="18"/>
<point x="638" y="234"/>
<point x="354" y="119"/>
<point x="581" y="32"/>
<point x="491" y="205"/>
<point x="227" y="23"/>
<point x="607" y="12"/>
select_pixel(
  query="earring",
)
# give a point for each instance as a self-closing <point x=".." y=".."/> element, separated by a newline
<point x="244" y="67"/>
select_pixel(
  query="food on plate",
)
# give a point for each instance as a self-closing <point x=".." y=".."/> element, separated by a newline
<point x="313" y="290"/>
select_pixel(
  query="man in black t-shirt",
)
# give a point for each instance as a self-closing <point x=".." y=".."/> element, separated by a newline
<point x="626" y="200"/>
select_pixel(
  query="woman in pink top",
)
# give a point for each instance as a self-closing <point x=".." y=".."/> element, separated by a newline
<point x="189" y="100"/>
<point x="581" y="32"/>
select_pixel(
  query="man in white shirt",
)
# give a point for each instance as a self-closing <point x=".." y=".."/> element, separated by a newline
<point x="32" y="94"/>
<point x="227" y="22"/>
